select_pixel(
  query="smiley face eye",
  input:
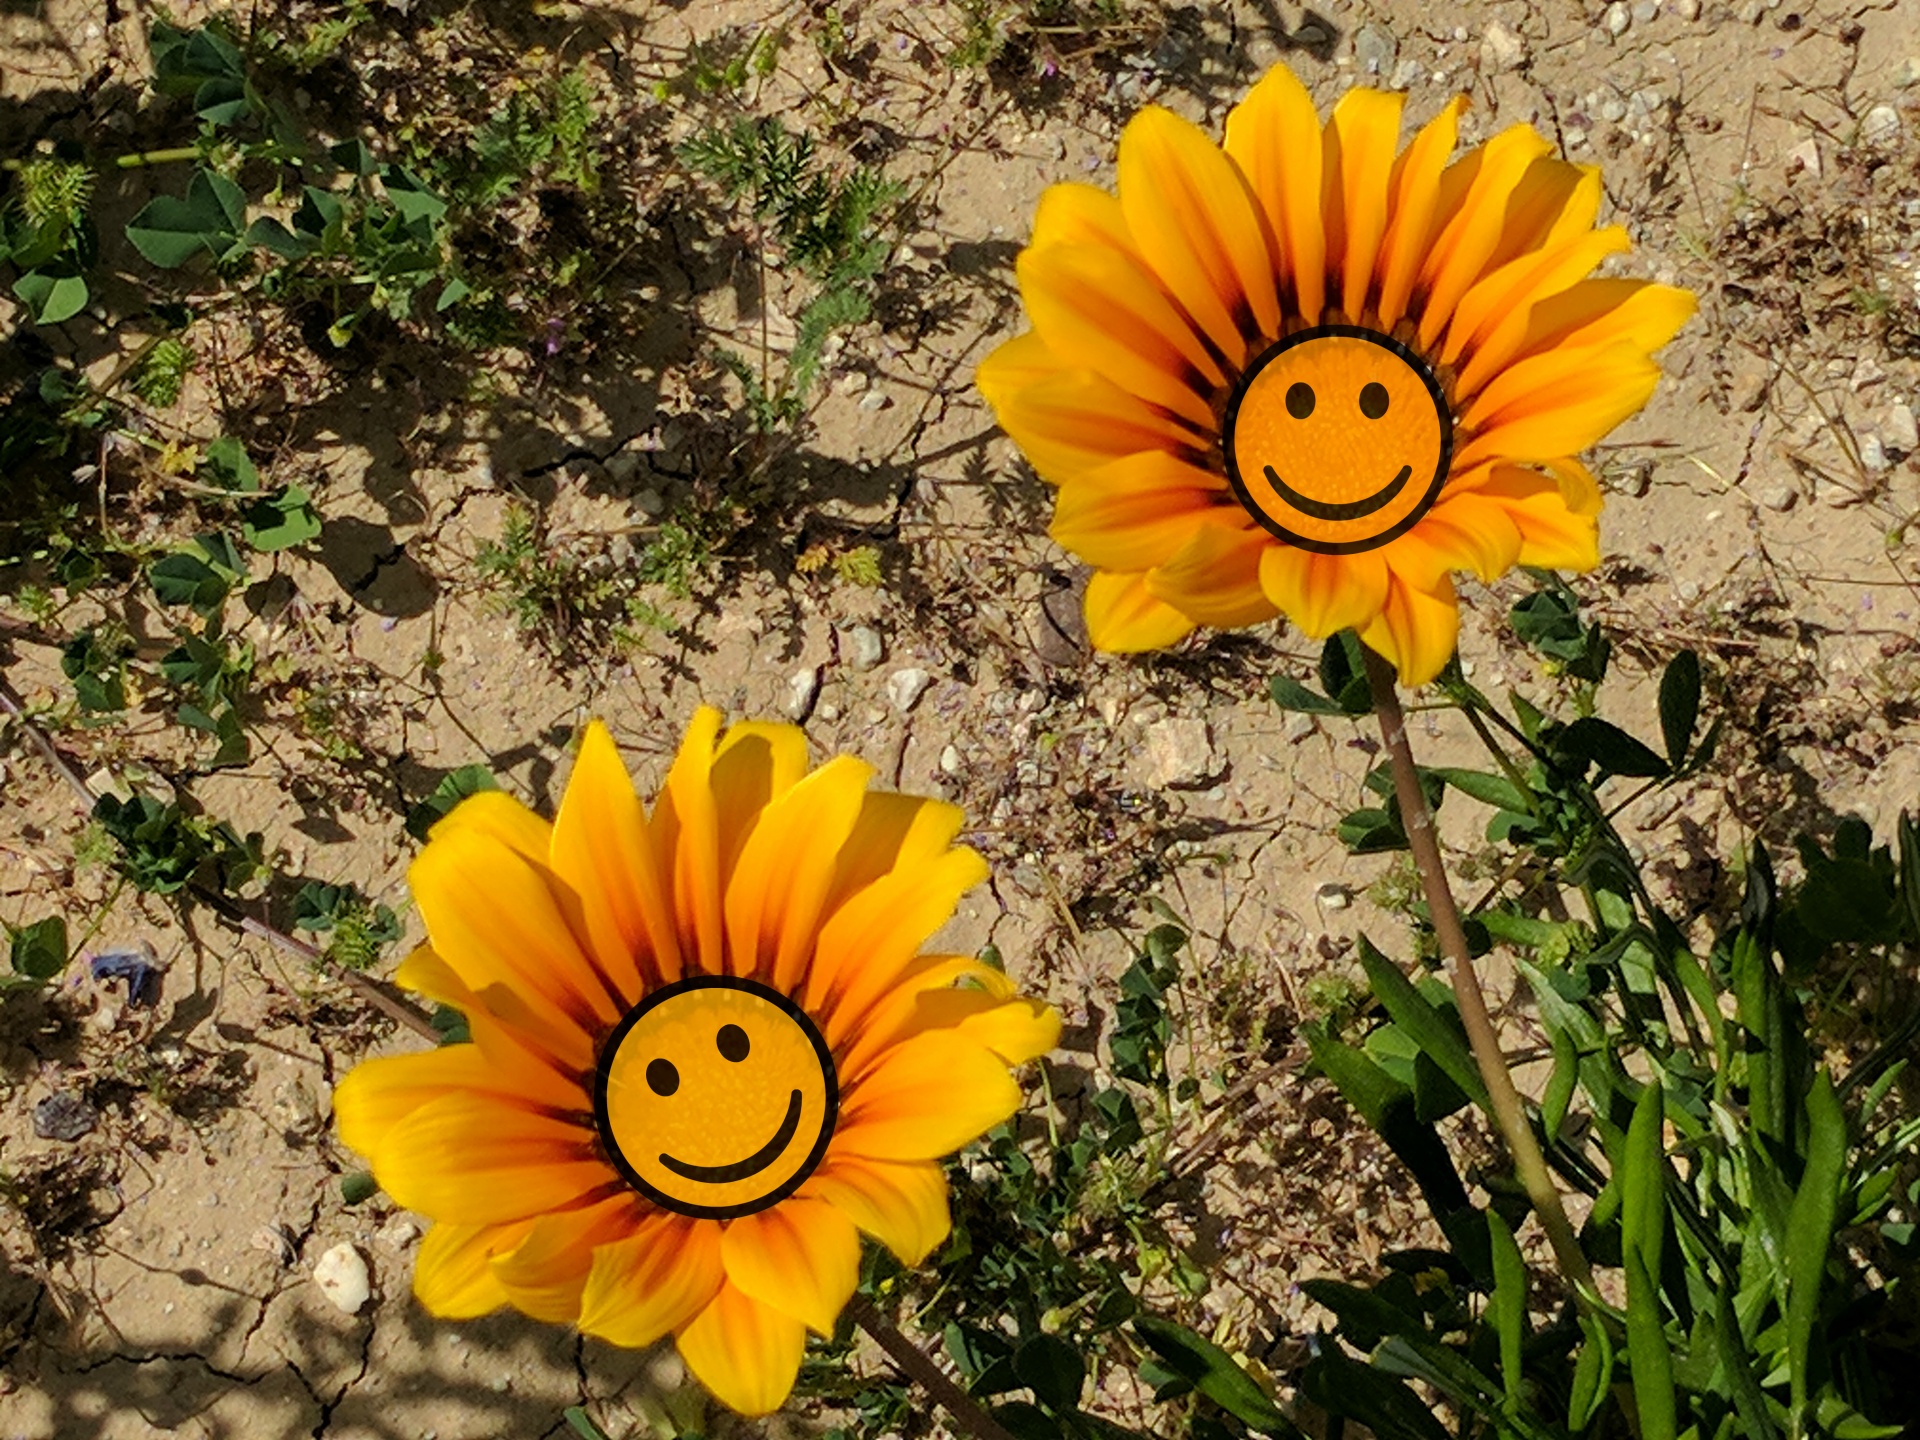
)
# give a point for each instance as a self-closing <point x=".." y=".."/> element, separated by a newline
<point x="733" y="1043"/>
<point x="662" y="1078"/>
<point x="1373" y="400"/>
<point x="1300" y="400"/>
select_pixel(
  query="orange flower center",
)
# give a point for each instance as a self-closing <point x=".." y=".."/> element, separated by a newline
<point x="716" y="1097"/>
<point x="1337" y="439"/>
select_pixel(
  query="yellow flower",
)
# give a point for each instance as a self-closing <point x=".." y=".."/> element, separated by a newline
<point x="706" y="1053"/>
<point x="1314" y="374"/>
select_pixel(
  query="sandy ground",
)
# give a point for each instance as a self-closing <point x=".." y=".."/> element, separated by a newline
<point x="1761" y="154"/>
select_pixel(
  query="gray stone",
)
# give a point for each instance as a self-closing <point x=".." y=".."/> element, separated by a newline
<point x="1644" y="11"/>
<point x="1180" y="752"/>
<point x="950" y="762"/>
<point x="1687" y="9"/>
<point x="863" y="647"/>
<point x="649" y="504"/>
<point x="1613" y="109"/>
<point x="343" y="1278"/>
<point x="1873" y="452"/>
<point x="62" y="1116"/>
<point x="1779" y="497"/>
<point x="1900" y="430"/>
<point x="803" y="688"/>
<point x="1375" y="49"/>
<point x="1299" y="727"/>
<point x="1881" y="126"/>
<point x="1332" y="895"/>
<point x="1908" y="73"/>
<point x="1619" y="16"/>
<point x="1405" y="73"/>
<point x="905" y="687"/>
<point x="874" y="400"/>
<point x="1502" y="48"/>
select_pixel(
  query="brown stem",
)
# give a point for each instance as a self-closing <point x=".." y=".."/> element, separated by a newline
<point x="364" y="986"/>
<point x="1502" y="1098"/>
<point x="924" y="1371"/>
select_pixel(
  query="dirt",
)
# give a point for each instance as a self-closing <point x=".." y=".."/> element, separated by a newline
<point x="157" y="1270"/>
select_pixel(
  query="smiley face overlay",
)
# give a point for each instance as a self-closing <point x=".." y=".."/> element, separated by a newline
<point x="1338" y="439"/>
<point x="716" y="1097"/>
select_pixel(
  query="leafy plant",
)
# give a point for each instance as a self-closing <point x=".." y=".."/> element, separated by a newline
<point x="36" y="952"/>
<point x="160" y="849"/>
<point x="357" y="930"/>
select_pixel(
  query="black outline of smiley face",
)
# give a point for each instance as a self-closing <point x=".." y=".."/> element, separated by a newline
<point x="747" y="1166"/>
<point x="1352" y="510"/>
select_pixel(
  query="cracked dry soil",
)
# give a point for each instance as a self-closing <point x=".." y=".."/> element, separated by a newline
<point x="156" y="1271"/>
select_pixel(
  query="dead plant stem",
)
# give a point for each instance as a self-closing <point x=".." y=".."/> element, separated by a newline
<point x="921" y="1368"/>
<point x="1503" y="1099"/>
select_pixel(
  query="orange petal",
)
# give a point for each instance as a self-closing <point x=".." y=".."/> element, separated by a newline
<point x="801" y="1256"/>
<point x="1416" y="629"/>
<point x="1198" y="225"/>
<point x="1215" y="579"/>
<point x="925" y="1098"/>
<point x="1475" y="192"/>
<point x="1134" y="513"/>
<point x="875" y="936"/>
<point x="1492" y="317"/>
<point x="546" y="1272"/>
<point x="1124" y="616"/>
<point x="902" y="1204"/>
<point x="1066" y="420"/>
<point x="1415" y="196"/>
<point x="654" y="1281"/>
<point x="1322" y="594"/>
<point x="1274" y="137"/>
<point x="685" y="831"/>
<point x="496" y="918"/>
<point x="472" y="1159"/>
<point x="453" y="1273"/>
<point x="1555" y="404"/>
<point x="1362" y="136"/>
<point x="600" y="848"/>
<point x="1100" y="311"/>
<point x="777" y="893"/>
<point x="745" y="1352"/>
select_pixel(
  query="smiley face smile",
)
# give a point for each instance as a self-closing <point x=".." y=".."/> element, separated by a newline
<point x="1317" y="420"/>
<point x="693" y="1080"/>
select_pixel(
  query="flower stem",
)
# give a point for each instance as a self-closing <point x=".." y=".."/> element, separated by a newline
<point x="921" y="1368"/>
<point x="1502" y="1098"/>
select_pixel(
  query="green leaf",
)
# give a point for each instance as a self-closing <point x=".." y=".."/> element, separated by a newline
<point x="1611" y="748"/>
<point x="582" y="1424"/>
<point x="226" y="464"/>
<point x="281" y="520"/>
<point x="1290" y="694"/>
<point x="184" y="579"/>
<point x="1052" y="1369"/>
<point x="1679" y="704"/>
<point x="1507" y="1306"/>
<point x="38" y="951"/>
<point x="1343" y="673"/>
<point x="51" y="298"/>
<point x="1370" y="831"/>
<point x="267" y="233"/>
<point x="1810" y="1228"/>
<point x="454" y="787"/>
<point x="1643" y="1214"/>
<point x="1215" y="1374"/>
<point x="169" y="231"/>
<point x="1592" y="1374"/>
<point x="1423" y="1022"/>
<point x="1494" y="790"/>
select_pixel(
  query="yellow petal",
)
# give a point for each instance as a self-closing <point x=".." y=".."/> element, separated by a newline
<point x="1475" y="191"/>
<point x="925" y="1098"/>
<point x="500" y="815"/>
<point x="1491" y="319"/>
<point x="654" y="1281"/>
<point x="1416" y="630"/>
<point x="1099" y="311"/>
<point x="496" y="919"/>
<point x="1463" y="531"/>
<point x="745" y="1352"/>
<point x="546" y="1272"/>
<point x="1136" y="512"/>
<point x="893" y="832"/>
<point x="1415" y="196"/>
<point x="1067" y="420"/>
<point x="1071" y="213"/>
<point x="1555" y="202"/>
<point x="1362" y="136"/>
<point x="896" y="1015"/>
<point x="1215" y="579"/>
<point x="1555" y="516"/>
<point x="1322" y="594"/>
<point x="1274" y="137"/>
<point x="801" y="1256"/>
<point x="600" y="848"/>
<point x="1123" y="616"/>
<point x="500" y="1018"/>
<point x="754" y="763"/>
<point x="453" y="1274"/>
<point x="1605" y="312"/>
<point x="778" y="890"/>
<point x="1192" y="216"/>
<point x="875" y="936"/>
<point x="470" y="1158"/>
<point x="378" y="1094"/>
<point x="1555" y="404"/>
<point x="685" y="831"/>
<point x="902" y="1204"/>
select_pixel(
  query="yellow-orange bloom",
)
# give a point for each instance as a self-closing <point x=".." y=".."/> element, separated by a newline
<point x="1315" y="373"/>
<point x="707" y="1051"/>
